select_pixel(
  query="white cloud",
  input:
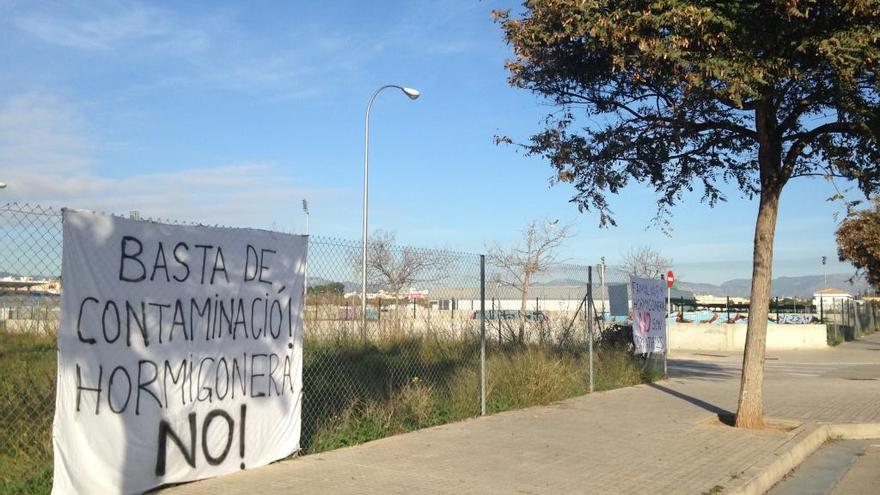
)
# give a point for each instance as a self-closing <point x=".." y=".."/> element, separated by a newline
<point x="178" y="46"/>
<point x="39" y="130"/>
<point x="47" y="157"/>
<point x="98" y="25"/>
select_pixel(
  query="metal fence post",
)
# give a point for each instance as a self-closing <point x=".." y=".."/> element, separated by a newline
<point x="777" y="309"/>
<point x="872" y="317"/>
<point x="482" y="334"/>
<point x="590" y="321"/>
<point x="728" y="309"/>
<point x="852" y="314"/>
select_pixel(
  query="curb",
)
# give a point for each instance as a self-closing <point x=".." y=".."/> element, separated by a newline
<point x="805" y="443"/>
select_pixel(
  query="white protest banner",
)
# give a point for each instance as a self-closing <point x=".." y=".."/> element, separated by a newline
<point x="649" y="314"/>
<point x="179" y="352"/>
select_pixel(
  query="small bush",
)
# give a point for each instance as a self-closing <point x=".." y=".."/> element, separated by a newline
<point x="354" y="392"/>
<point x="357" y="424"/>
<point x="531" y="377"/>
<point x="416" y="406"/>
<point x="27" y="404"/>
<point x="616" y="368"/>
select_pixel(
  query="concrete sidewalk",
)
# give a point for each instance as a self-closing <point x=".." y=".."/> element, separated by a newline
<point x="659" y="438"/>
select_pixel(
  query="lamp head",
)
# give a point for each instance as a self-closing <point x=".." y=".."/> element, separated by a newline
<point x="306" y="205"/>
<point x="412" y="93"/>
<point x="2" y="185"/>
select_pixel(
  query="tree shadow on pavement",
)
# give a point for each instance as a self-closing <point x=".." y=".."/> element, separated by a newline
<point x="691" y="368"/>
<point x="693" y="400"/>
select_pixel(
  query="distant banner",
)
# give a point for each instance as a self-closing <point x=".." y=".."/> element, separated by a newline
<point x="180" y="352"/>
<point x="649" y="314"/>
<point x="618" y="300"/>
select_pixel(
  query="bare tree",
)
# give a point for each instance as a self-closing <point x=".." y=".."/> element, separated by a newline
<point x="534" y="255"/>
<point x="394" y="268"/>
<point x="645" y="262"/>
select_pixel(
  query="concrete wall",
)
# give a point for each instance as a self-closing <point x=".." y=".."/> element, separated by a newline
<point x="724" y="337"/>
<point x="548" y="305"/>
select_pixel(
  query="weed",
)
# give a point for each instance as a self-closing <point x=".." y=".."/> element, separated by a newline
<point x="354" y="392"/>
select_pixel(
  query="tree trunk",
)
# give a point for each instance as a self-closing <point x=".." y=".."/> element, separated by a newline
<point x="522" y="309"/>
<point x="750" y="410"/>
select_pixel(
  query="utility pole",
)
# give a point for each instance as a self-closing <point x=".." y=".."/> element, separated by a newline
<point x="590" y="323"/>
<point x="306" y="271"/>
<point x="604" y="293"/>
<point x="825" y="271"/>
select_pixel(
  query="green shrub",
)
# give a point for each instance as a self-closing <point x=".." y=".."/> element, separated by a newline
<point x="358" y="423"/>
<point x="530" y="377"/>
<point x="353" y="392"/>
<point x="416" y="406"/>
<point x="27" y="402"/>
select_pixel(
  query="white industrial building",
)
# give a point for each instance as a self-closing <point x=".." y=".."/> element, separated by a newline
<point x="540" y="298"/>
<point x="547" y="298"/>
<point x="831" y="298"/>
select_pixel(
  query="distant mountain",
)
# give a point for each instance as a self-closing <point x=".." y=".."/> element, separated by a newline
<point x="564" y="282"/>
<point x="804" y="286"/>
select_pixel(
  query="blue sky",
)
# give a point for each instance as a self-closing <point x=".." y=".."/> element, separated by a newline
<point x="232" y="113"/>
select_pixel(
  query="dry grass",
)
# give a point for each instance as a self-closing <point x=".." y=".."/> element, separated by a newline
<point x="354" y="391"/>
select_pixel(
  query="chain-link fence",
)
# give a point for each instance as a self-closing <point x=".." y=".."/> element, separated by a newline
<point x="443" y="337"/>
<point x="412" y="359"/>
<point x="30" y="243"/>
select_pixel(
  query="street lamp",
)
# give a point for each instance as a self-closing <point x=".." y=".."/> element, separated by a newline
<point x="2" y="185"/>
<point x="412" y="94"/>
<point x="306" y="272"/>
<point x="306" y="211"/>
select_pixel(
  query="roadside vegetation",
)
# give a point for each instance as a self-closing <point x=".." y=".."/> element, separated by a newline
<point x="353" y="392"/>
<point x="27" y="403"/>
<point x="517" y="377"/>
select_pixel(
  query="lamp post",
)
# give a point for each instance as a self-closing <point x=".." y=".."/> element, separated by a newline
<point x="603" y="291"/>
<point x="412" y="94"/>
<point x="306" y="271"/>
<point x="306" y="211"/>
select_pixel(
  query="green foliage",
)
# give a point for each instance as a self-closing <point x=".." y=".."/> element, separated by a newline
<point x="391" y="386"/>
<point x="27" y="390"/>
<point x="858" y="242"/>
<point x="695" y="94"/>
<point x="358" y="423"/>
<point x="532" y="377"/>
<point x="685" y="94"/>
<point x="519" y="376"/>
<point x="715" y="490"/>
<point x="337" y="288"/>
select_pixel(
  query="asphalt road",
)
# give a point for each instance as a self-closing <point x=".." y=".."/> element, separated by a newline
<point x="837" y="468"/>
<point x="779" y="364"/>
<point x="823" y="472"/>
<point x="863" y="477"/>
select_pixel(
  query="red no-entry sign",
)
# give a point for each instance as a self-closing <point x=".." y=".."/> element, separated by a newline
<point x="670" y="278"/>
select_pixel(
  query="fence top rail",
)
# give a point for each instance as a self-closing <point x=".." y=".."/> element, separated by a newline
<point x="51" y="211"/>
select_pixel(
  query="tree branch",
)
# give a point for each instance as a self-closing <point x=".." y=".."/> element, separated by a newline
<point x="802" y="139"/>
